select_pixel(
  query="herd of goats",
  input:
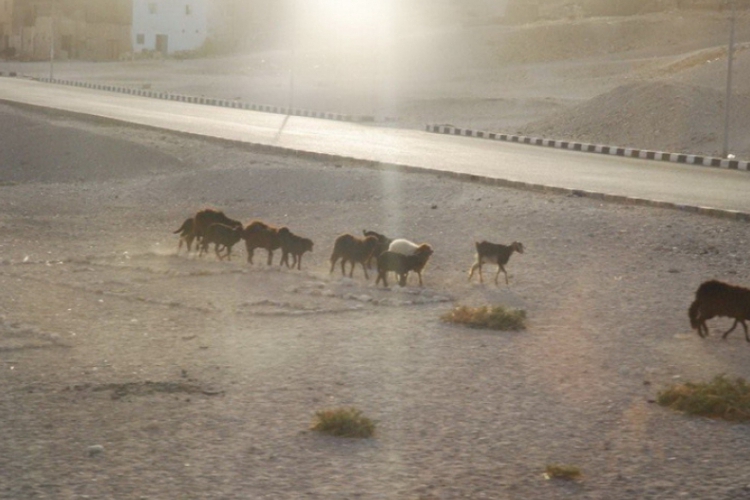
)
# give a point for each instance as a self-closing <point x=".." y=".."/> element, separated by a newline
<point x="400" y="256"/>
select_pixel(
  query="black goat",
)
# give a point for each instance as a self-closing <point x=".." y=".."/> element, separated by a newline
<point x="715" y="298"/>
<point x="401" y="265"/>
<point x="293" y="245"/>
<point x="220" y="235"/>
<point x="383" y="244"/>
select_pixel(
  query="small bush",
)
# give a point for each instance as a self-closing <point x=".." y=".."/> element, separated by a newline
<point x="568" y="472"/>
<point x="344" y="422"/>
<point x="720" y="398"/>
<point x="494" y="318"/>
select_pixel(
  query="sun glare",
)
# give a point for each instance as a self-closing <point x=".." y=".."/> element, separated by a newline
<point x="342" y="21"/>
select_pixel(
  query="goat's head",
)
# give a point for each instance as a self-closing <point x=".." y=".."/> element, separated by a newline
<point x="517" y="246"/>
<point x="381" y="237"/>
<point x="424" y="250"/>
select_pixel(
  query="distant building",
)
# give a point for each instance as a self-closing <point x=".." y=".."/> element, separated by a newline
<point x="169" y="26"/>
<point x="80" y="29"/>
<point x="6" y="27"/>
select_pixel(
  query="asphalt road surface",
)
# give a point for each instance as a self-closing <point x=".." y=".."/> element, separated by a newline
<point x="652" y="180"/>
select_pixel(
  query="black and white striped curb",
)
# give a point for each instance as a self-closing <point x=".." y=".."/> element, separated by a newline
<point x="706" y="161"/>
<point x="209" y="101"/>
<point x="468" y="177"/>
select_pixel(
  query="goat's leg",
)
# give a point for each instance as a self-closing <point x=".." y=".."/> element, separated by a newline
<point x="270" y="257"/>
<point x="744" y="325"/>
<point x="298" y="258"/>
<point x="250" y="251"/>
<point x="736" y="322"/>
<point x="419" y="273"/>
<point x="402" y="278"/>
<point x="333" y="263"/>
<point x="382" y="277"/>
<point x="364" y="268"/>
<point x="477" y="265"/>
<point x="501" y="268"/>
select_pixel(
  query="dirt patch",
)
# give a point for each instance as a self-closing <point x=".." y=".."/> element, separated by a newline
<point x="146" y="388"/>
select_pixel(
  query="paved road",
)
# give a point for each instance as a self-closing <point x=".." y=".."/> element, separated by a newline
<point x="673" y="183"/>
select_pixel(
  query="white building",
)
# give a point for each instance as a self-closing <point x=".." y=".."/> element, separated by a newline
<point x="169" y="26"/>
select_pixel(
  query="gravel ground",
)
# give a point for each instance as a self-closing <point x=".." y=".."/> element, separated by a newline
<point x="132" y="372"/>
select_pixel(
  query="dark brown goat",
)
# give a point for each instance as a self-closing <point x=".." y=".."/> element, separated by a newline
<point x="258" y="234"/>
<point x="715" y="298"/>
<point x="293" y="245"/>
<point x="208" y="216"/>
<point x="495" y="254"/>
<point x="220" y="235"/>
<point x="383" y="243"/>
<point x="402" y="264"/>
<point x="186" y="235"/>
<point x="349" y="248"/>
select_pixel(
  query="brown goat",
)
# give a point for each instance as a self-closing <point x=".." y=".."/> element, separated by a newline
<point x="258" y="234"/>
<point x="186" y="234"/>
<point x="401" y="264"/>
<point x="293" y="245"/>
<point x="220" y="235"/>
<point x="495" y="254"/>
<point x="349" y="248"/>
<point x="715" y="298"/>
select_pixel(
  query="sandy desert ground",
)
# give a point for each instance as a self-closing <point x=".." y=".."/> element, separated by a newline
<point x="193" y="378"/>
<point x="132" y="372"/>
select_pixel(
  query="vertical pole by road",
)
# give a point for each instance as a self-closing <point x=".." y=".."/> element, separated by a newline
<point x="52" y="42"/>
<point x="727" y="107"/>
<point x="293" y="55"/>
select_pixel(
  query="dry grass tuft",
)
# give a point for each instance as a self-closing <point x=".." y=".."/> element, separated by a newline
<point x="557" y="471"/>
<point x="490" y="317"/>
<point x="721" y="398"/>
<point x="344" y="422"/>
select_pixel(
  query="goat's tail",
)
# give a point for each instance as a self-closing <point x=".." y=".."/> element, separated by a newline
<point x="693" y="313"/>
<point x="186" y="227"/>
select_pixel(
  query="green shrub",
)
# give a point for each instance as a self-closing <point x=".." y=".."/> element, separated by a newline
<point x="720" y="398"/>
<point x="343" y="422"/>
<point x="556" y="471"/>
<point x="491" y="317"/>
